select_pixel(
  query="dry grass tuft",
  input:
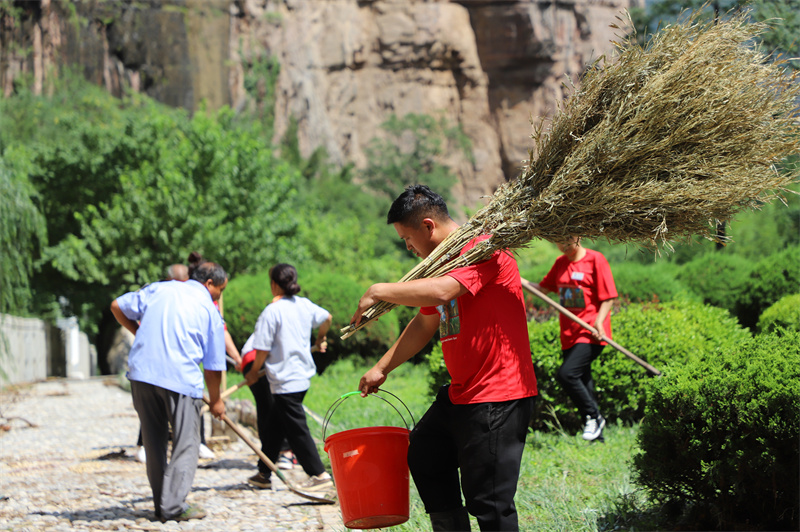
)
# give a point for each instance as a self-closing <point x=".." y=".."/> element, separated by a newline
<point x="660" y="142"/>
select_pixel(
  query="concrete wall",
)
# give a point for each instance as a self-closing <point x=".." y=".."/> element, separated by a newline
<point x="32" y="350"/>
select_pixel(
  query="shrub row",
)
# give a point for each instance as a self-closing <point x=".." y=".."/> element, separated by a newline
<point x="722" y="433"/>
<point x="677" y="332"/>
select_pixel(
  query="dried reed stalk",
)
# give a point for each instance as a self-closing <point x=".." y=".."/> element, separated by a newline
<point x="660" y="142"/>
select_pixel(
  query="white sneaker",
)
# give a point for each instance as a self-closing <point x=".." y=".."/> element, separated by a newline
<point x="284" y="462"/>
<point x="593" y="428"/>
<point x="206" y="453"/>
<point x="320" y="482"/>
<point x="140" y="455"/>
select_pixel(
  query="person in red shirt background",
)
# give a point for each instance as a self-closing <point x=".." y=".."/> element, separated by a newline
<point x="582" y="278"/>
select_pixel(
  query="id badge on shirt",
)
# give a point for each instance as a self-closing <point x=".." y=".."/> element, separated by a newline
<point x="571" y="296"/>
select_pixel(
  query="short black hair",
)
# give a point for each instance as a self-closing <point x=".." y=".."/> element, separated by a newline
<point x="209" y="270"/>
<point x="416" y="203"/>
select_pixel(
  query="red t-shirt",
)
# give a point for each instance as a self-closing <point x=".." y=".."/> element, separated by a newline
<point x="581" y="285"/>
<point x="484" y="333"/>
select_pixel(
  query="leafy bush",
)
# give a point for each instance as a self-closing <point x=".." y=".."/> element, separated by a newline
<point x="244" y="299"/>
<point x="340" y="294"/>
<point x="722" y="432"/>
<point x="640" y="283"/>
<point x="677" y="332"/>
<point x="772" y="278"/>
<point x="718" y="278"/>
<point x="438" y="375"/>
<point x="785" y="314"/>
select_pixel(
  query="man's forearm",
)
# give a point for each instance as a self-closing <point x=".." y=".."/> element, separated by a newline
<point x="122" y="319"/>
<point x="419" y="292"/>
<point x="213" y="382"/>
<point x="410" y="342"/>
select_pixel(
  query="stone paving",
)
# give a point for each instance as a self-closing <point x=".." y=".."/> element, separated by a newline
<point x="75" y="470"/>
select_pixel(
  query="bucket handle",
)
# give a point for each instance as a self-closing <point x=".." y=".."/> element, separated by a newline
<point x="340" y="400"/>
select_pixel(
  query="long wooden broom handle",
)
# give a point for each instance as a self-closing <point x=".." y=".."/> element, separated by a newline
<point x="271" y="465"/>
<point x="232" y="389"/>
<point x="527" y="285"/>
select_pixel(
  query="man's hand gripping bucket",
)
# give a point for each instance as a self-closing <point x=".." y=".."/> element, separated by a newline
<point x="370" y="469"/>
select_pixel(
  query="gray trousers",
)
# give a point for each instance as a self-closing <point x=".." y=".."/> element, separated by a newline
<point x="158" y="409"/>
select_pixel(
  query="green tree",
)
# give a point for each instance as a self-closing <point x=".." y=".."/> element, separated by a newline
<point x="197" y="186"/>
<point x="130" y="186"/>
<point x="783" y="17"/>
<point x="412" y="152"/>
<point x="23" y="232"/>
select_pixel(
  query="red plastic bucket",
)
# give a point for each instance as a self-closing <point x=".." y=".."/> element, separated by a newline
<point x="371" y="475"/>
<point x="370" y="469"/>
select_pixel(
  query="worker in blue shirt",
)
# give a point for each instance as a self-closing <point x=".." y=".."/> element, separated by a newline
<point x="176" y="328"/>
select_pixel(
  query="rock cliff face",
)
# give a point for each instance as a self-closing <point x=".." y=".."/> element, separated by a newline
<point x="488" y="66"/>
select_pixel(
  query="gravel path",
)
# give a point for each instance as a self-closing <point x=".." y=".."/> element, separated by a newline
<point x="75" y="470"/>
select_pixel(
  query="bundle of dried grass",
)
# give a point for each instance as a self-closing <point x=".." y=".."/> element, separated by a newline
<point x="659" y="143"/>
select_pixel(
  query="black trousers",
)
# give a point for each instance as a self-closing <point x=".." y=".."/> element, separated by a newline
<point x="485" y="441"/>
<point x="287" y="420"/>
<point x="264" y="402"/>
<point x="575" y="375"/>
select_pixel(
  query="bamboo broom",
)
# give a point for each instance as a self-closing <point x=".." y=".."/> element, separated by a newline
<point x="659" y="143"/>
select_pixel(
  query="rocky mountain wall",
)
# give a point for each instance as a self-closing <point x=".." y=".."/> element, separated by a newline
<point x="489" y="66"/>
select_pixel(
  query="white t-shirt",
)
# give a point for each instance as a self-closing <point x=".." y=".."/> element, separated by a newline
<point x="284" y="329"/>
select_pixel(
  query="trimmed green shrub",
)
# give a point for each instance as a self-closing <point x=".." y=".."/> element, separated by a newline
<point x="677" y="332"/>
<point x="340" y="295"/>
<point x="244" y="299"/>
<point x="438" y="375"/>
<point x="785" y="314"/>
<point x="772" y="278"/>
<point x="640" y="283"/>
<point x="722" y="433"/>
<point x="718" y="278"/>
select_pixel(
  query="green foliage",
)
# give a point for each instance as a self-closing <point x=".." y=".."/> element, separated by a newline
<point x="536" y="259"/>
<point x="677" y="333"/>
<point x="782" y="315"/>
<point x="244" y="298"/>
<point x="23" y="231"/>
<point x="412" y="153"/>
<point x="783" y="16"/>
<point x="772" y="277"/>
<point x="437" y="370"/>
<point x="718" y="278"/>
<point x="640" y="283"/>
<point x="129" y="187"/>
<point x="260" y="80"/>
<point x="781" y="38"/>
<point x="722" y="432"/>
<point x="340" y="293"/>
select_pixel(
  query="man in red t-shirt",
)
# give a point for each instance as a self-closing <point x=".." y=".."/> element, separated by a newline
<point x="582" y="278"/>
<point x="478" y="423"/>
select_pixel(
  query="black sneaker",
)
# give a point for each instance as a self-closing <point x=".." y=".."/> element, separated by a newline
<point x="192" y="512"/>
<point x="260" y="480"/>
